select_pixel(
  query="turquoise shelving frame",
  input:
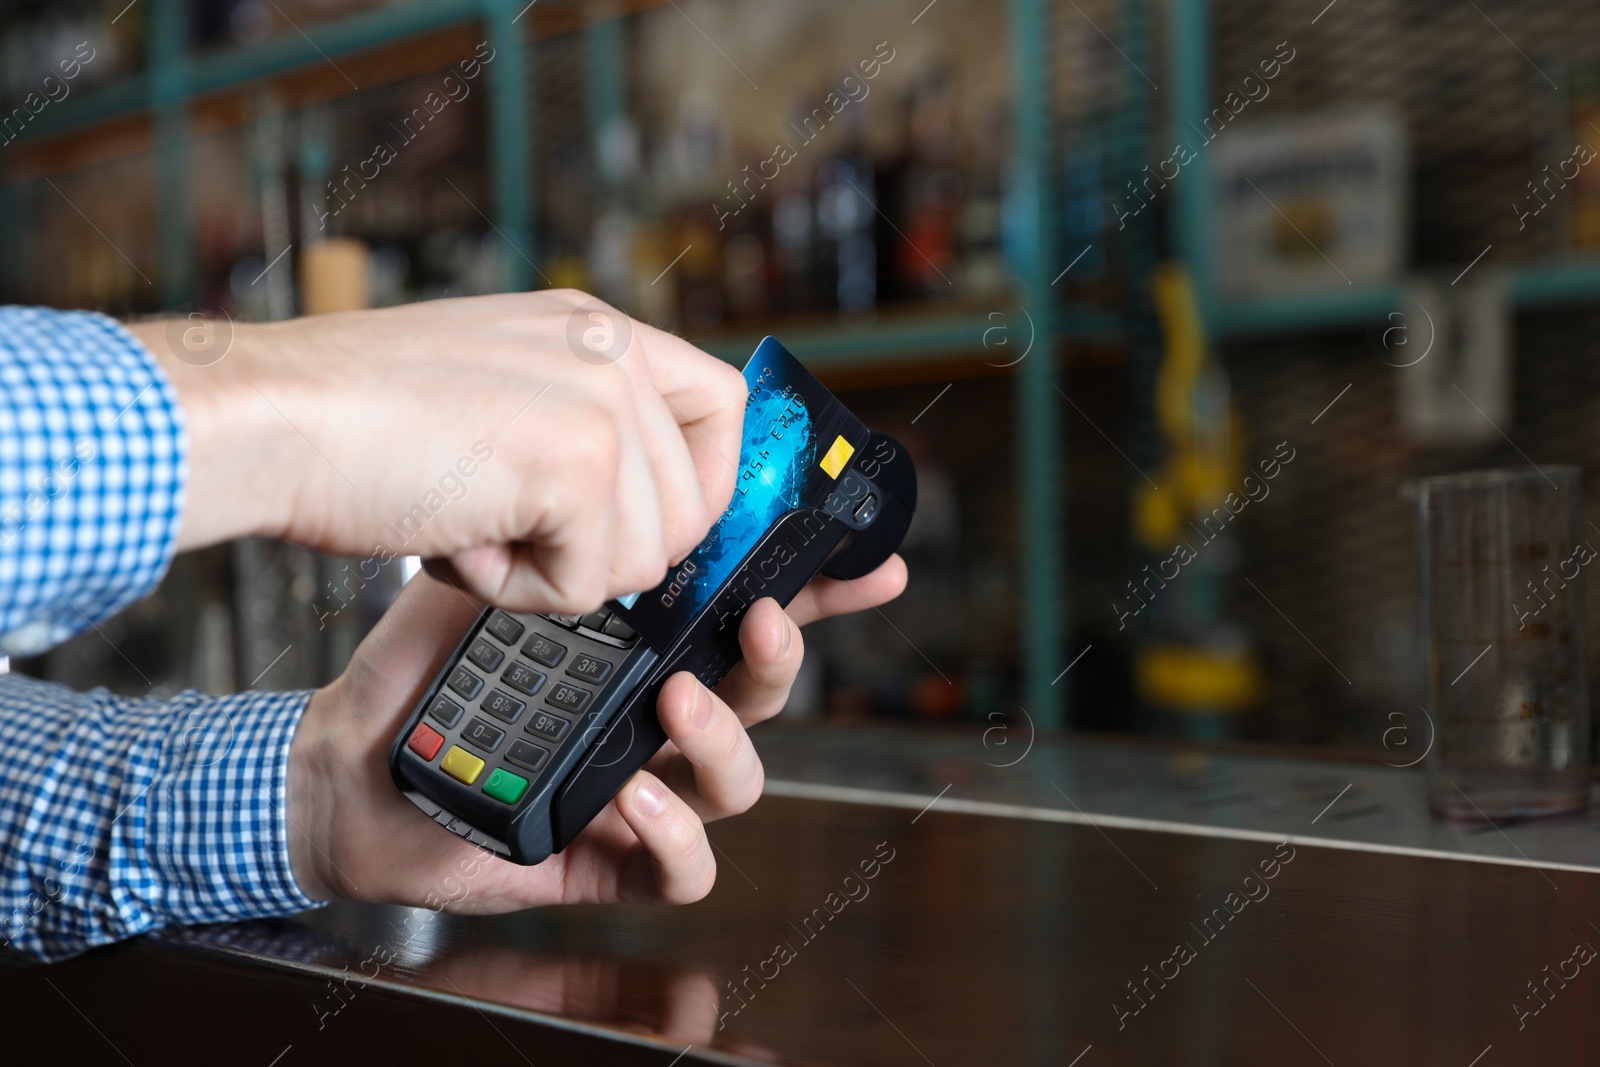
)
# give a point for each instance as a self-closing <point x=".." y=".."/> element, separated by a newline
<point x="1040" y="444"/>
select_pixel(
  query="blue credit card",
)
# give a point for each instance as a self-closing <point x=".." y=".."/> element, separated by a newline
<point x="797" y="440"/>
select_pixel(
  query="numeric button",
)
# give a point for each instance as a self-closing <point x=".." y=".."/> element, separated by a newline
<point x="589" y="668"/>
<point x="523" y="678"/>
<point x="465" y="682"/>
<point x="480" y="733"/>
<point x="485" y="655"/>
<point x="502" y="706"/>
<point x="550" y="727"/>
<point x="544" y="651"/>
<point x="504" y="627"/>
<point x="567" y="697"/>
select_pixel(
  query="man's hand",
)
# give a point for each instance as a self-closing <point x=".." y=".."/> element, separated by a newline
<point x="557" y="452"/>
<point x="353" y="834"/>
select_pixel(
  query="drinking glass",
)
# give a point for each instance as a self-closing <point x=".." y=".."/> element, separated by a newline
<point x="1503" y="557"/>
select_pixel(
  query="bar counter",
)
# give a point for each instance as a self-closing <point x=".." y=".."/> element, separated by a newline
<point x="905" y="897"/>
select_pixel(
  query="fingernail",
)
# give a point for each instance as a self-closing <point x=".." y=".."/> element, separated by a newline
<point x="700" y="714"/>
<point x="648" y="799"/>
<point x="788" y="637"/>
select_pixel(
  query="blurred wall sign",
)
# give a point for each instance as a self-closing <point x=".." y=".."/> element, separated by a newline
<point x="1452" y="348"/>
<point x="1310" y="204"/>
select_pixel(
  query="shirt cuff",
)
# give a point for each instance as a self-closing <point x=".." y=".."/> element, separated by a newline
<point x="145" y="814"/>
<point x="214" y="832"/>
<point x="93" y="465"/>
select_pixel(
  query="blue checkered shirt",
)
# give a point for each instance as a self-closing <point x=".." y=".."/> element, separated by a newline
<point x="117" y="815"/>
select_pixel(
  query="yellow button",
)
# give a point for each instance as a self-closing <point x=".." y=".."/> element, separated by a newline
<point x="461" y="765"/>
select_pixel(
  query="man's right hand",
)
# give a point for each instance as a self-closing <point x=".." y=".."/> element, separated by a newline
<point x="612" y="446"/>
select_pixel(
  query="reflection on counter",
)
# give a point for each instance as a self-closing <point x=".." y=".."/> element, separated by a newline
<point x="418" y="949"/>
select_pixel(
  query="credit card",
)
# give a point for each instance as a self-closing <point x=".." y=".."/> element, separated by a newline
<point x="797" y="440"/>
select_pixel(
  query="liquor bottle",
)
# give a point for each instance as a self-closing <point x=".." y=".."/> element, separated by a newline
<point x="846" y="224"/>
<point x="981" y="262"/>
<point x="702" y="307"/>
<point x="794" y="252"/>
<point x="746" y="266"/>
<point x="923" y="193"/>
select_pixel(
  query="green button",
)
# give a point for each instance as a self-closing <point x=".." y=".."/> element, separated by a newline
<point x="505" y="786"/>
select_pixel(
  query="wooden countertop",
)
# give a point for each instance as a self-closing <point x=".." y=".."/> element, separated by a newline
<point x="980" y="939"/>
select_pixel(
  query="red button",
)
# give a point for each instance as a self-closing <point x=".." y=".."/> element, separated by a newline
<point x="425" y="741"/>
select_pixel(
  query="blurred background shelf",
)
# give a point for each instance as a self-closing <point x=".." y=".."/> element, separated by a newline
<point x="932" y="339"/>
<point x="184" y="94"/>
<point x="1540" y="284"/>
<point x="238" y="65"/>
<point x="1008" y="326"/>
<point x="1319" y="311"/>
<point x="1556" y="282"/>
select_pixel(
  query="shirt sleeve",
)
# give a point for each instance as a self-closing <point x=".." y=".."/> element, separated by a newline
<point x="93" y="462"/>
<point x="117" y="815"/>
<point x="121" y="815"/>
